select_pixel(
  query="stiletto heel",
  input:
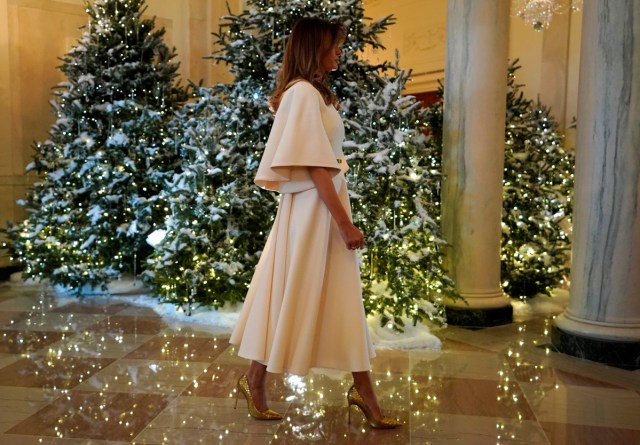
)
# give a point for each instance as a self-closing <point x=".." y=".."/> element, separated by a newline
<point x="268" y="414"/>
<point x="354" y="398"/>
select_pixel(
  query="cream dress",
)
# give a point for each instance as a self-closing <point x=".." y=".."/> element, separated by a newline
<point x="304" y="305"/>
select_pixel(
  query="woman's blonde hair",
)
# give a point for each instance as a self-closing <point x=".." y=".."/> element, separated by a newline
<point x="309" y="41"/>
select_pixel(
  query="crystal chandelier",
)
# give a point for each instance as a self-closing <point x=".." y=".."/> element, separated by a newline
<point x="538" y="13"/>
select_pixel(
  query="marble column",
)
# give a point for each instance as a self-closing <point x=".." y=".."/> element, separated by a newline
<point x="602" y="321"/>
<point x="473" y="158"/>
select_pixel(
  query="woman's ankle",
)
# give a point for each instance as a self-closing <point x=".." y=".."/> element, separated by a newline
<point x="256" y="374"/>
<point x="364" y="386"/>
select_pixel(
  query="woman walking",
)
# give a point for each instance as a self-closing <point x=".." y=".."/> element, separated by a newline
<point x="304" y="306"/>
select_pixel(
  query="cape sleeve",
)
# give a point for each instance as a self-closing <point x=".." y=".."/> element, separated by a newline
<point x="298" y="140"/>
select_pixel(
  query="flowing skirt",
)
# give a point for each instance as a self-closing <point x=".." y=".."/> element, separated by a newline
<point x="304" y="305"/>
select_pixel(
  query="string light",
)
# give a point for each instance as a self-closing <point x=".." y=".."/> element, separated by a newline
<point x="51" y="241"/>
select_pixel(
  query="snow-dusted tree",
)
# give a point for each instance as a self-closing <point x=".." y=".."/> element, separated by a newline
<point x="109" y="151"/>
<point x="396" y="190"/>
<point x="537" y="192"/>
<point x="391" y="180"/>
<point x="196" y="259"/>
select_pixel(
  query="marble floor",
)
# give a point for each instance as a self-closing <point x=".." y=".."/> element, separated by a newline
<point x="114" y="373"/>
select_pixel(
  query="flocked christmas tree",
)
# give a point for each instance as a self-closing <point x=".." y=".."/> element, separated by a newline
<point x="537" y="193"/>
<point x="109" y="152"/>
<point x="222" y="138"/>
<point x="199" y="258"/>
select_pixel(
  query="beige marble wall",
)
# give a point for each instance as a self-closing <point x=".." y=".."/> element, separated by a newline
<point x="29" y="57"/>
<point x="549" y="59"/>
<point x="419" y="35"/>
<point x="34" y="33"/>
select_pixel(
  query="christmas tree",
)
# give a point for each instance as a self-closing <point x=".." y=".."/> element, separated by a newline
<point x="537" y="191"/>
<point x="108" y="154"/>
<point x="393" y="186"/>
<point x="210" y="240"/>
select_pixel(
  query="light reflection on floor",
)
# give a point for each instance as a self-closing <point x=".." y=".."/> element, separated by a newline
<point x="114" y="373"/>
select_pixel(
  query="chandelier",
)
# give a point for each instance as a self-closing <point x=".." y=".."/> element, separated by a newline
<point x="538" y="13"/>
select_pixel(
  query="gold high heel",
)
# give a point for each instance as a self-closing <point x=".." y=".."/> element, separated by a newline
<point x="354" y="398"/>
<point x="243" y="387"/>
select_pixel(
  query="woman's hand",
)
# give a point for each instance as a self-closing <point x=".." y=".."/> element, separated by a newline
<point x="321" y="178"/>
<point x="353" y="238"/>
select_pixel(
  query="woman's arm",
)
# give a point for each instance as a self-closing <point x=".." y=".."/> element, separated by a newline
<point x="321" y="178"/>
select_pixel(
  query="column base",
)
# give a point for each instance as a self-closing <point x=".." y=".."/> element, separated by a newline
<point x="621" y="354"/>
<point x="5" y="272"/>
<point x="476" y="318"/>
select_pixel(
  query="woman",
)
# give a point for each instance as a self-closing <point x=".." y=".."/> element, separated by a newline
<point x="304" y="306"/>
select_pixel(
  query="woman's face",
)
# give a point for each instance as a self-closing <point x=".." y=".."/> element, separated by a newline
<point x="332" y="57"/>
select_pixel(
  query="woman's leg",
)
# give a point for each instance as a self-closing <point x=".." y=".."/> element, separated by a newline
<point x="256" y="377"/>
<point x="362" y="382"/>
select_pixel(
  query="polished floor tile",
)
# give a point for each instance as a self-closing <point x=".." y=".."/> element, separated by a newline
<point x="143" y="376"/>
<point x="180" y="348"/>
<point x="391" y="361"/>
<point x="328" y="423"/>
<point x="219" y="381"/>
<point x="108" y="372"/>
<point x="471" y="397"/>
<point x="453" y="345"/>
<point x="98" y="344"/>
<point x="91" y="307"/>
<point x="570" y="434"/>
<point x="90" y="415"/>
<point x="532" y="372"/>
<point x="26" y="303"/>
<point x="61" y="322"/>
<point x="7" y="359"/>
<point x="584" y="405"/>
<point x="15" y="393"/>
<point x="127" y="324"/>
<point x="20" y="439"/>
<point x="24" y="342"/>
<point x="51" y="372"/>
<point x="206" y="420"/>
<point x="20" y="403"/>
<point x="9" y="318"/>
<point x="462" y="364"/>
<point x="456" y="429"/>
<point x="14" y="411"/>
<point x="230" y="357"/>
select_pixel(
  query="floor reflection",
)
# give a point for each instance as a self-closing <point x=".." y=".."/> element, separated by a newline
<point x="106" y="371"/>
